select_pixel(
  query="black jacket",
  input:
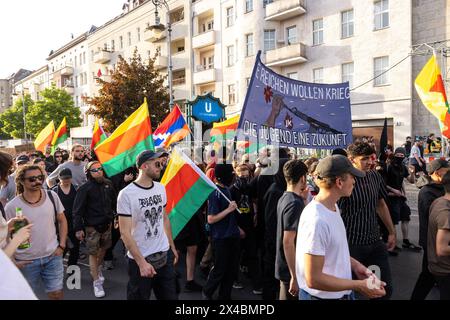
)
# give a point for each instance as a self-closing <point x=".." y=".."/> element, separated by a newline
<point x="429" y="192"/>
<point x="95" y="204"/>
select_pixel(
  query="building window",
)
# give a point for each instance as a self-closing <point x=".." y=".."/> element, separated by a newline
<point x="139" y="34"/>
<point x="81" y="59"/>
<point x="318" y="75"/>
<point x="381" y="14"/>
<point x="247" y="82"/>
<point x="76" y="81"/>
<point x="177" y="15"/>
<point x="347" y="23"/>
<point x="230" y="56"/>
<point x="380" y="66"/>
<point x="317" y="32"/>
<point x="84" y="57"/>
<point x="248" y="6"/>
<point x="266" y="2"/>
<point x="129" y="38"/>
<point x="230" y="16"/>
<point x="208" y="26"/>
<point x="231" y="94"/>
<point x="249" y="44"/>
<point x="92" y="55"/>
<point x="207" y="63"/>
<point x="269" y="40"/>
<point x="121" y="42"/>
<point x="113" y="46"/>
<point x="293" y="75"/>
<point x="75" y="63"/>
<point x="291" y="34"/>
<point x="179" y="77"/>
<point x="347" y="73"/>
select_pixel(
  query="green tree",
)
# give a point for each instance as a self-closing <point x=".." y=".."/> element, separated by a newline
<point x="130" y="83"/>
<point x="55" y="105"/>
<point x="11" y="121"/>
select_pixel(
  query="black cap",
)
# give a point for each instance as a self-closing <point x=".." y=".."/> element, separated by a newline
<point x="438" y="164"/>
<point x="336" y="165"/>
<point x="163" y="152"/>
<point x="400" y="150"/>
<point x="22" y="159"/>
<point x="65" y="173"/>
<point x="147" y="155"/>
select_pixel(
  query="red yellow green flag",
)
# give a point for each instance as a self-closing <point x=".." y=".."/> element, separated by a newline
<point x="225" y="130"/>
<point x="45" y="137"/>
<point x="98" y="135"/>
<point x="187" y="188"/>
<point x="431" y="90"/>
<point x="60" y="135"/>
<point x="119" y="151"/>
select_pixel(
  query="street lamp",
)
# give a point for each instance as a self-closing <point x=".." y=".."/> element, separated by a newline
<point x="161" y="27"/>
<point x="23" y="112"/>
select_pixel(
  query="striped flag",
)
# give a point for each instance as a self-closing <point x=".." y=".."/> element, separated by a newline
<point x="60" y="135"/>
<point x="119" y="151"/>
<point x="45" y="137"/>
<point x="187" y="188"/>
<point x="173" y="129"/>
<point x="98" y="135"/>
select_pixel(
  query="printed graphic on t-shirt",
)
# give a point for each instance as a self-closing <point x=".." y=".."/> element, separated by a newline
<point x="152" y="217"/>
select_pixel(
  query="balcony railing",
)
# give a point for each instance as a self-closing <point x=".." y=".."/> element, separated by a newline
<point x="203" y="76"/>
<point x="204" y="39"/>
<point x="179" y="81"/>
<point x="103" y="56"/>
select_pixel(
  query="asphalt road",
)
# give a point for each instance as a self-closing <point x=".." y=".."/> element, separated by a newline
<point x="405" y="270"/>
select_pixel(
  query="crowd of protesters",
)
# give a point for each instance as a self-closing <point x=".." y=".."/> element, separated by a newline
<point x="309" y="229"/>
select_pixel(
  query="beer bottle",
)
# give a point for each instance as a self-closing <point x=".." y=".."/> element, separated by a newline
<point x="20" y="223"/>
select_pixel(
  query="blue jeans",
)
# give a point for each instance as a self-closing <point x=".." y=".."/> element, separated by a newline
<point x="303" y="295"/>
<point x="49" y="269"/>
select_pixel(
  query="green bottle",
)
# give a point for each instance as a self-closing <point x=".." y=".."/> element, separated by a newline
<point x="20" y="224"/>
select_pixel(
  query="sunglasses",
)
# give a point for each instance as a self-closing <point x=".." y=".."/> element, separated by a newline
<point x="96" y="170"/>
<point x="158" y="164"/>
<point x="34" y="178"/>
<point x="58" y="156"/>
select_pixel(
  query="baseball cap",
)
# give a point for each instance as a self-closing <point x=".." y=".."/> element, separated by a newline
<point x="22" y="159"/>
<point x="163" y="152"/>
<point x="438" y="164"/>
<point x="147" y="155"/>
<point x="65" y="173"/>
<point x="336" y="165"/>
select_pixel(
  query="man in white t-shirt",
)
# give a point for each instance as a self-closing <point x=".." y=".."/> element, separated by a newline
<point x="323" y="263"/>
<point x="147" y="234"/>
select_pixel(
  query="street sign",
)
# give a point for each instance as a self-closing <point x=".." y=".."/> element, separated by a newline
<point x="207" y="109"/>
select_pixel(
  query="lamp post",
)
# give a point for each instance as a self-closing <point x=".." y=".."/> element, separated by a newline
<point x="23" y="113"/>
<point x="161" y="27"/>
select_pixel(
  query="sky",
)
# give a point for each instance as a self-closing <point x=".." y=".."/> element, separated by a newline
<point x="30" y="29"/>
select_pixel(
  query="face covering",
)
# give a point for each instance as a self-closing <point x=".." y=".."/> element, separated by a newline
<point x="398" y="160"/>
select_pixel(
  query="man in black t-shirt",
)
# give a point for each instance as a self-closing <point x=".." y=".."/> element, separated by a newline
<point x="289" y="208"/>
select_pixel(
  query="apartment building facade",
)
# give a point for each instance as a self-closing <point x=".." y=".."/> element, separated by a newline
<point x="214" y="44"/>
<point x="33" y="84"/>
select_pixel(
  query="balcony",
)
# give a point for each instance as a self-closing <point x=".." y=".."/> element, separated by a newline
<point x="284" y="9"/>
<point x="204" y="74"/>
<point x="161" y="62"/>
<point x="153" y="35"/>
<point x="286" y="56"/>
<point x="102" y="56"/>
<point x="67" y="70"/>
<point x="69" y="88"/>
<point x="179" y="81"/>
<point x="204" y="39"/>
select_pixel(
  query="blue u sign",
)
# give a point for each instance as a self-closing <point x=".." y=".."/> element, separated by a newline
<point x="207" y="109"/>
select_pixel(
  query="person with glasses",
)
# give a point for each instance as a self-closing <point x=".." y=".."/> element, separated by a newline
<point x="76" y="166"/>
<point x="8" y="190"/>
<point x="93" y="214"/>
<point x="42" y="260"/>
<point x="147" y="233"/>
<point x="57" y="159"/>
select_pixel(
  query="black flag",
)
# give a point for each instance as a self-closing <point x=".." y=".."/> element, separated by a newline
<point x="383" y="140"/>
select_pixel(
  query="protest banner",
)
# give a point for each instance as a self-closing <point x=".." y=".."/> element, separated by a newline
<point x="286" y="112"/>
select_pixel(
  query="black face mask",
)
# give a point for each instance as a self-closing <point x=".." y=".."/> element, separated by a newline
<point x="398" y="160"/>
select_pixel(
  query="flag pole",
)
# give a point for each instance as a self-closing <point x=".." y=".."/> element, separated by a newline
<point x="226" y="198"/>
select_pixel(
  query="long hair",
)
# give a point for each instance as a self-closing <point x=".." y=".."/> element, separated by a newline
<point x="6" y="162"/>
<point x="21" y="175"/>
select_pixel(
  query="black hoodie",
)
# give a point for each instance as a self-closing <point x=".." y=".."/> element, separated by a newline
<point x="429" y="192"/>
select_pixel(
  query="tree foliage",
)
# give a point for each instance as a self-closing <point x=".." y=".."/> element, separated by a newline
<point x="130" y="83"/>
<point x="55" y="105"/>
<point x="11" y="121"/>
